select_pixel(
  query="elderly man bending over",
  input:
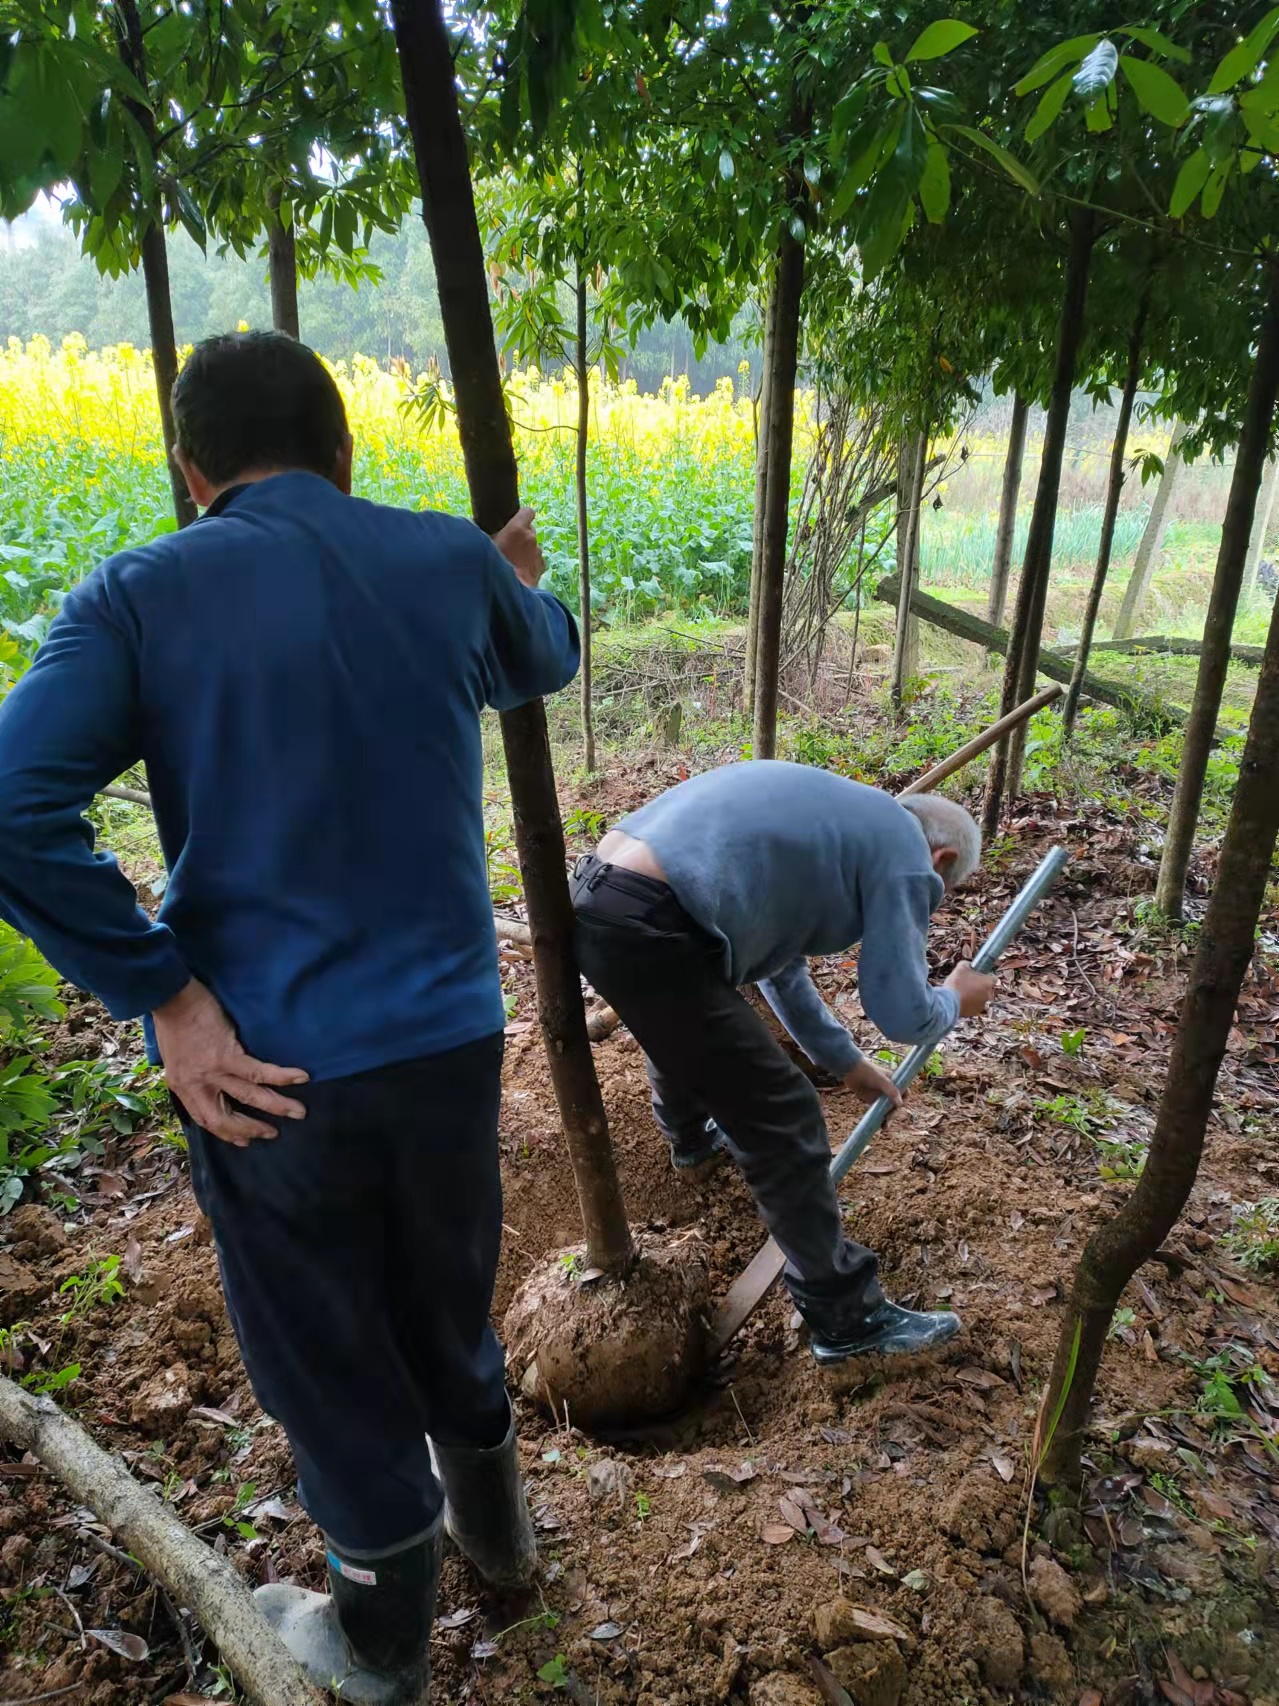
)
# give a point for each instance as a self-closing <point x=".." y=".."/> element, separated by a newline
<point x="736" y="877"/>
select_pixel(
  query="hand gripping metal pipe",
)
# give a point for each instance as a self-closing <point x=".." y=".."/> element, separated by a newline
<point x="751" y="1286"/>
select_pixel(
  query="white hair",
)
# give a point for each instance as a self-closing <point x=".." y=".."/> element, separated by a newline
<point x="946" y="824"/>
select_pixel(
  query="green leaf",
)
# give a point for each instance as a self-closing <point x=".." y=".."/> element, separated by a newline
<point x="797" y="228"/>
<point x="1156" y="41"/>
<point x="934" y="186"/>
<point x="938" y="39"/>
<point x="1157" y="93"/>
<point x="1016" y="171"/>
<point x="1265" y="94"/>
<point x="105" y="166"/>
<point x="881" y="53"/>
<point x="144" y="157"/>
<point x="1066" y="53"/>
<point x="1190" y="180"/>
<point x="726" y="166"/>
<point x="1215" y="188"/>
<point x="812" y="170"/>
<point x="1097" y="116"/>
<point x="1050" y="104"/>
<point x="869" y="145"/>
<point x="1097" y="72"/>
<point x="1244" y="58"/>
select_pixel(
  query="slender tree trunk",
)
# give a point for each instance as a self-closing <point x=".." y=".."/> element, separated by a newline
<point x="910" y="490"/>
<point x="282" y="259"/>
<point x="1114" y="490"/>
<point x="1260" y="528"/>
<point x="1152" y="539"/>
<point x="780" y="430"/>
<point x="761" y="504"/>
<point x="155" y="266"/>
<point x="1214" y="660"/>
<point x="1119" y="1247"/>
<point x="1006" y="531"/>
<point x="430" y="99"/>
<point x="1032" y="592"/>
<point x="583" y="534"/>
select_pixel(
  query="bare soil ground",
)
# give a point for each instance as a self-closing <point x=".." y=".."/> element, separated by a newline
<point x="793" y="1533"/>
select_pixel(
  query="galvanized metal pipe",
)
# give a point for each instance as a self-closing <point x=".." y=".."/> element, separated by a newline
<point x="1024" y="903"/>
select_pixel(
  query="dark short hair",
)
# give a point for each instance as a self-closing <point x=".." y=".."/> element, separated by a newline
<point x="246" y="401"/>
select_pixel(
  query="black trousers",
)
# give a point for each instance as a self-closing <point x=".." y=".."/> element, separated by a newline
<point x="358" y="1253"/>
<point x="710" y="1055"/>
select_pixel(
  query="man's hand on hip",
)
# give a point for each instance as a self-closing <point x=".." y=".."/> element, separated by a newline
<point x="517" y="542"/>
<point x="868" y="1083"/>
<point x="207" y="1069"/>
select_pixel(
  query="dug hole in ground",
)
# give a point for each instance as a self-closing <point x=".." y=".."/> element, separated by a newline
<point x="788" y="1533"/>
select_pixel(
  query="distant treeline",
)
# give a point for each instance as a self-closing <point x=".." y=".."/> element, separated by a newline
<point x="47" y="287"/>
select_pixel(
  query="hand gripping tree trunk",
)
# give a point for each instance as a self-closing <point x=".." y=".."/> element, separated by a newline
<point x="910" y="494"/>
<point x="1152" y="539"/>
<point x="282" y="259"/>
<point x="1119" y="1247"/>
<point x="1032" y="592"/>
<point x="1214" y="660"/>
<point x="779" y="428"/>
<point x="1009" y="492"/>
<point x="761" y="503"/>
<point x="583" y="533"/>
<point x="155" y="265"/>
<point x="1114" y="490"/>
<point x="448" y="206"/>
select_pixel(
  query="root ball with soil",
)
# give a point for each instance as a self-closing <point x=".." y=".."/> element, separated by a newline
<point x="611" y="1351"/>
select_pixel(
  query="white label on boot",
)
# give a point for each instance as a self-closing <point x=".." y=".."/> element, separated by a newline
<point x="366" y="1578"/>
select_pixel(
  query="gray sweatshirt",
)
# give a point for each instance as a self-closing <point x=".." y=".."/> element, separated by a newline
<point x="781" y="861"/>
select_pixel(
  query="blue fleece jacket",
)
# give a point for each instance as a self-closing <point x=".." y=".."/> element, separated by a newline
<point x="302" y="674"/>
<point x="780" y="862"/>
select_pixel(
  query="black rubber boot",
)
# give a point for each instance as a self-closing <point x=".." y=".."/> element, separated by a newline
<point x="368" y="1640"/>
<point x="485" y="1511"/>
<point x="888" y="1330"/>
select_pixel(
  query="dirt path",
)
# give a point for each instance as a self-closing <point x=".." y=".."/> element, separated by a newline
<point x="676" y="1572"/>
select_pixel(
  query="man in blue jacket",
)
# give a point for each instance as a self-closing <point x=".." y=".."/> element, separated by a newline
<point x="737" y="876"/>
<point x="302" y="674"/>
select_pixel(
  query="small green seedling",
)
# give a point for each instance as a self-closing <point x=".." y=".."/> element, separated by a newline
<point x="643" y="1506"/>
<point x="100" y="1283"/>
<point x="235" y="1517"/>
<point x="1253" y="1240"/>
<point x="554" y="1672"/>
<point x="1072" y="1042"/>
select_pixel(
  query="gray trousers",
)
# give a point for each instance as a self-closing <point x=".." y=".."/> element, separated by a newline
<point x="711" y="1056"/>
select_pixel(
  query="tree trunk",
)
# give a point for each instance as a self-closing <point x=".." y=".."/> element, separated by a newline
<point x="583" y="536"/>
<point x="155" y="266"/>
<point x="1008" y="495"/>
<point x="448" y="207"/>
<point x="282" y="259"/>
<point x="1152" y="539"/>
<point x="761" y="502"/>
<point x="910" y="489"/>
<point x="1119" y="1247"/>
<point x="1214" y="660"/>
<point x="1260" y="528"/>
<point x="1114" y="490"/>
<point x="779" y="430"/>
<point x="1032" y="593"/>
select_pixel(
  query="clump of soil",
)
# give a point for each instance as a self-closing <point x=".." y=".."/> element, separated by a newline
<point x="608" y="1352"/>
